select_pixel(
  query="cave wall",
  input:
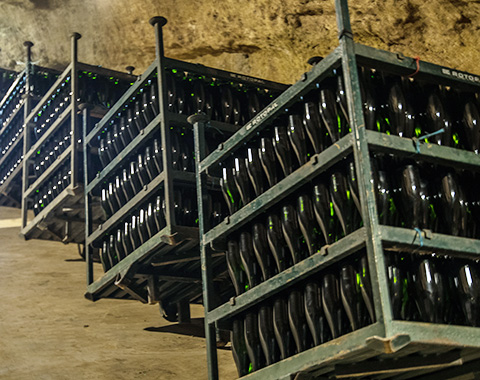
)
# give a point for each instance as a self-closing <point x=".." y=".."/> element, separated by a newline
<point x="265" y="38"/>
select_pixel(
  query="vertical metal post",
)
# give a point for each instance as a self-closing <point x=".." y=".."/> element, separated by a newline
<point x="198" y="122"/>
<point x="26" y="129"/>
<point x="85" y="109"/>
<point x="75" y="165"/>
<point x="158" y="22"/>
<point x="376" y="258"/>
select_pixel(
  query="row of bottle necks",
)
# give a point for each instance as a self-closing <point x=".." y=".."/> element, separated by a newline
<point x="339" y="300"/>
<point x="11" y="135"/>
<point x="7" y="78"/>
<point x="92" y="89"/>
<point x="186" y="94"/>
<point x="136" y="228"/>
<point x="8" y="166"/>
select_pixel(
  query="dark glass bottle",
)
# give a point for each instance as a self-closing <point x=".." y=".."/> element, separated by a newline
<point x="138" y="117"/>
<point x="134" y="233"/>
<point x="102" y="154"/>
<point x="291" y="233"/>
<point x="157" y="155"/>
<point x="126" y="130"/>
<point x="396" y="282"/>
<point x="323" y="208"/>
<point x="436" y="118"/>
<point x="146" y="108"/>
<point x="297" y="320"/>
<point x="342" y="201"/>
<point x="401" y="119"/>
<point x="120" y="196"/>
<point x="255" y="171"/>
<point x="106" y="204"/>
<point x="282" y="329"/>
<point x="131" y="124"/>
<point x="297" y="138"/>
<point x="240" y="174"/>
<point x="307" y="223"/>
<point x="451" y="210"/>
<point x="142" y="226"/>
<point x="110" y="148"/>
<point x="127" y="188"/>
<point x="471" y="127"/>
<point x="366" y="287"/>
<point x="142" y="171"/>
<point x="154" y="98"/>
<point x="116" y="141"/>
<point x="112" y="251"/>
<point x="135" y="177"/>
<point x="332" y="305"/>
<point x="123" y="136"/>
<point x="230" y="191"/>
<point x="269" y="163"/>
<point x="469" y="291"/>
<point x="234" y="265"/>
<point x="410" y="196"/>
<point x="150" y="164"/>
<point x="121" y="254"/>
<point x="262" y="251"/>
<point x="314" y="313"/>
<point x="252" y="341"/>
<point x="267" y="335"/>
<point x="350" y="296"/>
<point x="104" y="256"/>
<point x="329" y="113"/>
<point x="158" y="213"/>
<point x="127" y="240"/>
<point x="112" y="199"/>
<point x="150" y="220"/>
<point x="239" y="348"/>
<point x="313" y="126"/>
<point x="247" y="257"/>
<point x="277" y="243"/>
<point x="282" y="149"/>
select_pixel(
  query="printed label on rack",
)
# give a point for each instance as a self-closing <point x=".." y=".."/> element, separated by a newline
<point x="261" y="116"/>
<point x="247" y="79"/>
<point x="458" y="74"/>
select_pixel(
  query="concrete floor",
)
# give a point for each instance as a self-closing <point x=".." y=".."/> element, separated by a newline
<point x="48" y="330"/>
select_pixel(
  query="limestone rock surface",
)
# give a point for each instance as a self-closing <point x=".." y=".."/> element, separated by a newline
<point x="265" y="38"/>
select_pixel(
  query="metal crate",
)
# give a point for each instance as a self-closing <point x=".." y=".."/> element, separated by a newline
<point x="387" y="348"/>
<point x="62" y="219"/>
<point x="165" y="268"/>
<point x="23" y="92"/>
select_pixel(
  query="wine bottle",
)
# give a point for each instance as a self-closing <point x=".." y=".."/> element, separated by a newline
<point x="329" y="113"/>
<point x="239" y="348"/>
<point x="157" y="155"/>
<point x="277" y="243"/>
<point x="282" y="149"/>
<point x="112" y="199"/>
<point x="297" y="138"/>
<point x="126" y="130"/>
<point x="127" y="187"/>
<point x="127" y="240"/>
<point x="175" y="149"/>
<point x="137" y="115"/>
<point x="410" y="196"/>
<point x="226" y="101"/>
<point x="132" y="125"/>
<point x="240" y="174"/>
<point x="267" y="335"/>
<point x="110" y="148"/>
<point x="146" y="108"/>
<point x="471" y="127"/>
<point x="116" y="141"/>
<point x="102" y="154"/>
<point x="120" y="250"/>
<point x="150" y="164"/>
<point x="134" y="177"/>
<point x="342" y="201"/>
<point x="313" y="126"/>
<point x="297" y="320"/>
<point x="255" y="171"/>
<point x="436" y="118"/>
<point x="158" y="213"/>
<point x="307" y="223"/>
<point x="150" y="220"/>
<point x="267" y="157"/>
<point x="262" y="251"/>
<point x="122" y="134"/>
<point x="282" y="329"/>
<point x="230" y="191"/>
<point x="401" y="118"/>
<point x="366" y="287"/>
<point x="323" y="208"/>
<point x="106" y="204"/>
<point x="154" y="98"/>
<point x="119" y="194"/>
<point x="291" y="233"/>
<point x="252" y="341"/>
<point x="469" y="292"/>
<point x="314" y="314"/>
<point x="349" y="295"/>
<point x="254" y="106"/>
<point x="142" y="226"/>
<point x="134" y="233"/>
<point x="234" y="265"/>
<point x="112" y="251"/>
<point x="247" y="256"/>
<point x="332" y="306"/>
<point x="142" y="171"/>
<point x="104" y="256"/>
<point x="396" y="280"/>
<point x="453" y="219"/>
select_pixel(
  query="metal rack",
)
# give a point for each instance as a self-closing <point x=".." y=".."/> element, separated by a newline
<point x="387" y="348"/>
<point x="24" y="91"/>
<point x="165" y="268"/>
<point x="7" y="77"/>
<point x="62" y="218"/>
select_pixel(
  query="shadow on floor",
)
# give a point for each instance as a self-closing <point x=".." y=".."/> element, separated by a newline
<point x="194" y="328"/>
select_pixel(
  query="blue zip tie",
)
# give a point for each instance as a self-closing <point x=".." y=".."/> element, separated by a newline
<point x="419" y="232"/>
<point x="420" y="139"/>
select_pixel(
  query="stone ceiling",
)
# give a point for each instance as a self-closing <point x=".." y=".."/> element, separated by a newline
<point x="266" y="38"/>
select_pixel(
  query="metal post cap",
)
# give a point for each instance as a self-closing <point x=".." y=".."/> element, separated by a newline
<point x="158" y="20"/>
<point x="130" y="69"/>
<point x="28" y="43"/>
<point x="314" y="60"/>
<point x="198" y="118"/>
<point x="83" y="106"/>
<point x="76" y="35"/>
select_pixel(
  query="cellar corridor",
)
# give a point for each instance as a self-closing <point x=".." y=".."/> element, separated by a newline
<point x="48" y="330"/>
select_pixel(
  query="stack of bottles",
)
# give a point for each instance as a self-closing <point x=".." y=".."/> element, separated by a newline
<point x="50" y="189"/>
<point x="11" y="134"/>
<point x="131" y="179"/>
<point x="9" y="165"/>
<point x="327" y="305"/>
<point x="13" y="102"/>
<point x="142" y="224"/>
<point x="7" y="77"/>
<point x="412" y="108"/>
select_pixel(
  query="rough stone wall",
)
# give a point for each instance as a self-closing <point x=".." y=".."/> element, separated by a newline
<point x="268" y="38"/>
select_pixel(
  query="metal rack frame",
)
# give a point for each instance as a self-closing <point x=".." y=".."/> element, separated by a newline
<point x="50" y="220"/>
<point x="137" y="276"/>
<point x="386" y="339"/>
<point x="9" y="190"/>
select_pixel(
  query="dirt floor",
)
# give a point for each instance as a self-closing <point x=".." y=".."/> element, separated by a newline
<point x="48" y="330"/>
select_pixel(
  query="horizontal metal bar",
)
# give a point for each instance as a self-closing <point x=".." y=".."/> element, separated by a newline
<point x="43" y="215"/>
<point x="441" y="155"/>
<point x="120" y="103"/>
<point x="139" y="197"/>
<point x="105" y="72"/>
<point x="11" y="149"/>
<point x="176" y="118"/>
<point x="327" y="256"/>
<point x="183" y="258"/>
<point x="12" y="117"/>
<point x="273" y="110"/>
<point x="134" y="144"/>
<point x="347" y="346"/>
<point x="409" y="240"/>
<point x="12" y="87"/>
<point x="405" y="65"/>
<point x="17" y="171"/>
<point x="56" y="124"/>
<point x="438" y="334"/>
<point x="49" y="93"/>
<point x="298" y="178"/>
<point x="54" y="166"/>
<point x="469" y="369"/>
<point x="222" y="74"/>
